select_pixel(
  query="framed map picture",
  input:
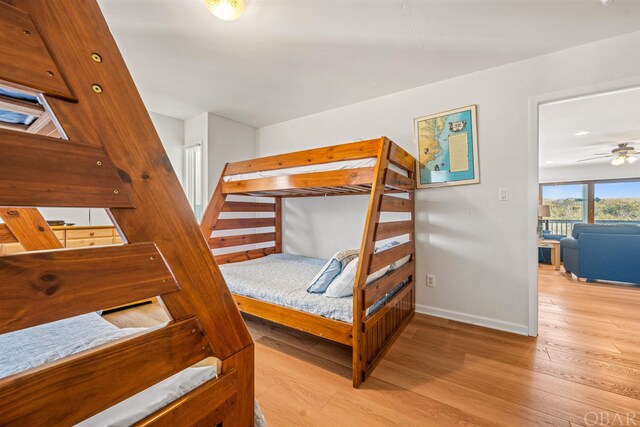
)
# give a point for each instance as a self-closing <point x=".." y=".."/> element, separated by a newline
<point x="447" y="148"/>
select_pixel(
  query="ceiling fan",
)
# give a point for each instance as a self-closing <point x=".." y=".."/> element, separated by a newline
<point x="622" y="152"/>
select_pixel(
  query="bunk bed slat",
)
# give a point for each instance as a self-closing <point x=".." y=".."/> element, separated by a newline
<point x="387" y="230"/>
<point x="396" y="204"/>
<point x="245" y="255"/>
<point x="302" y="182"/>
<point x="385" y="258"/>
<point x="100" y="377"/>
<point x="356" y="150"/>
<point x="220" y="394"/>
<point x="25" y="59"/>
<point x="399" y="181"/>
<point x="20" y="106"/>
<point x="42" y="287"/>
<point x="248" y="207"/>
<point x="401" y="158"/>
<point x="241" y="239"/>
<point x="39" y="171"/>
<point x="238" y="223"/>
<point x="376" y="290"/>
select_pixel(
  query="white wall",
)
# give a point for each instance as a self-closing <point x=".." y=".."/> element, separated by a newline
<point x="474" y="244"/>
<point x="171" y="133"/>
<point x="589" y="171"/>
<point x="228" y="141"/>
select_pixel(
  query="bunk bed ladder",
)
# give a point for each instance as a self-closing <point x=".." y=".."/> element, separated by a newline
<point x="112" y="159"/>
<point x="374" y="334"/>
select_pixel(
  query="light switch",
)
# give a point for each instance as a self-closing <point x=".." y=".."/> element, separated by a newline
<point x="503" y="194"/>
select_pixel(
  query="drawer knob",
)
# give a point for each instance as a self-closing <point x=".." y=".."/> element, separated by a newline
<point x="92" y="243"/>
<point x="92" y="233"/>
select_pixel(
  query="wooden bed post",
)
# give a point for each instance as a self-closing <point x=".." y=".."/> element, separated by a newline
<point x="278" y="217"/>
<point x="366" y="253"/>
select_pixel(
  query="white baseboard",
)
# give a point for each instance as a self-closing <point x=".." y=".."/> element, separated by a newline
<point x="486" y="322"/>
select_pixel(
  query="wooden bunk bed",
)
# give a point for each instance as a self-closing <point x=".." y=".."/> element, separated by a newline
<point x="103" y="152"/>
<point x="369" y="335"/>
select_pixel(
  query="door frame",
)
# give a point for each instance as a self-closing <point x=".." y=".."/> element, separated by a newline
<point x="533" y="174"/>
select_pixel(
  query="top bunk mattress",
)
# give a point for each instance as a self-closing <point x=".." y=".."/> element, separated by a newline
<point x="324" y="167"/>
<point x="32" y="347"/>
<point x="283" y="279"/>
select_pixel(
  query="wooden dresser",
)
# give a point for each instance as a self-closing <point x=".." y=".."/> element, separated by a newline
<point x="75" y="237"/>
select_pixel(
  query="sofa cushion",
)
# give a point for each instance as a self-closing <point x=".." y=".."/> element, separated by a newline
<point x="569" y="242"/>
<point x="604" y="229"/>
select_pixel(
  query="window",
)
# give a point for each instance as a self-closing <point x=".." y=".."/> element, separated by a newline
<point x="193" y="177"/>
<point x="617" y="202"/>
<point x="568" y="205"/>
<point x="602" y="201"/>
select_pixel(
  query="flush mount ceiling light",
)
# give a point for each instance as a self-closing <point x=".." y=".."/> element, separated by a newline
<point x="227" y="10"/>
<point x="582" y="133"/>
<point x="606" y="2"/>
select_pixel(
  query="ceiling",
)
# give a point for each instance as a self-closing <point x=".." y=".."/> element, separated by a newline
<point x="289" y="58"/>
<point x="610" y="119"/>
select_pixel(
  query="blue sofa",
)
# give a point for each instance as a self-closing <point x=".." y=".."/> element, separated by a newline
<point x="544" y="254"/>
<point x="603" y="252"/>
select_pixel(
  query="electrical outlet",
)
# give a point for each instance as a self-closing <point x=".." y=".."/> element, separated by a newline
<point x="431" y="280"/>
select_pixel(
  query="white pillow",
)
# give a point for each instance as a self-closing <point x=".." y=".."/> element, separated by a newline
<point x="331" y="270"/>
<point x="342" y="286"/>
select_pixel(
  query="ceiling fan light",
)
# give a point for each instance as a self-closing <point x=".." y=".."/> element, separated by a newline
<point x="618" y="161"/>
<point x="631" y="159"/>
<point x="227" y="10"/>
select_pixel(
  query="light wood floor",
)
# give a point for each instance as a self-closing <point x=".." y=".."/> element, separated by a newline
<point x="585" y="363"/>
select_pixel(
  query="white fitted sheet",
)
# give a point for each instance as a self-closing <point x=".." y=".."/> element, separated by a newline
<point x="324" y="167"/>
<point x="28" y="348"/>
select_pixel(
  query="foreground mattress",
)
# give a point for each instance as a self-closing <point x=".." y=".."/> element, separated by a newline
<point x="324" y="167"/>
<point x="283" y="279"/>
<point x="35" y="346"/>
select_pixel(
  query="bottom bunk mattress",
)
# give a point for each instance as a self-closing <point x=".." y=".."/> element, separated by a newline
<point x="283" y="279"/>
<point x="32" y="347"/>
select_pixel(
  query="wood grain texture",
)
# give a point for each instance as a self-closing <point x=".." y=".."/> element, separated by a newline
<point x="43" y="287"/>
<point x="6" y="236"/>
<point x="30" y="229"/>
<point x="25" y="59"/>
<point x="102" y="371"/>
<point x="387" y="230"/>
<point x="238" y="223"/>
<point x="398" y="181"/>
<point x="351" y="151"/>
<point x="396" y="204"/>
<point x="278" y="226"/>
<point x="241" y="239"/>
<point x="334" y="178"/>
<point x="330" y="329"/>
<point x="69" y="174"/>
<point x="248" y="207"/>
<point x="376" y="290"/>
<point x="73" y="29"/>
<point x="219" y="393"/>
<point x="401" y="158"/>
<point x="384" y="258"/>
<point x="245" y="255"/>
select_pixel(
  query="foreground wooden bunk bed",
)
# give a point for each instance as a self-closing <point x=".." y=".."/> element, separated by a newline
<point x="103" y="152"/>
<point x="388" y="176"/>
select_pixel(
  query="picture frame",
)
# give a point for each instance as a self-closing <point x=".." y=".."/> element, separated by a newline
<point x="447" y="146"/>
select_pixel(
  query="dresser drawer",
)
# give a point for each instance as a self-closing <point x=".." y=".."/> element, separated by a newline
<point x="59" y="234"/>
<point x="81" y="243"/>
<point x="117" y="240"/>
<point x="90" y="233"/>
<point x="13" y="248"/>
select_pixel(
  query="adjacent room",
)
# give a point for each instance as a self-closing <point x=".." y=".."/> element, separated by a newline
<point x="320" y="213"/>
